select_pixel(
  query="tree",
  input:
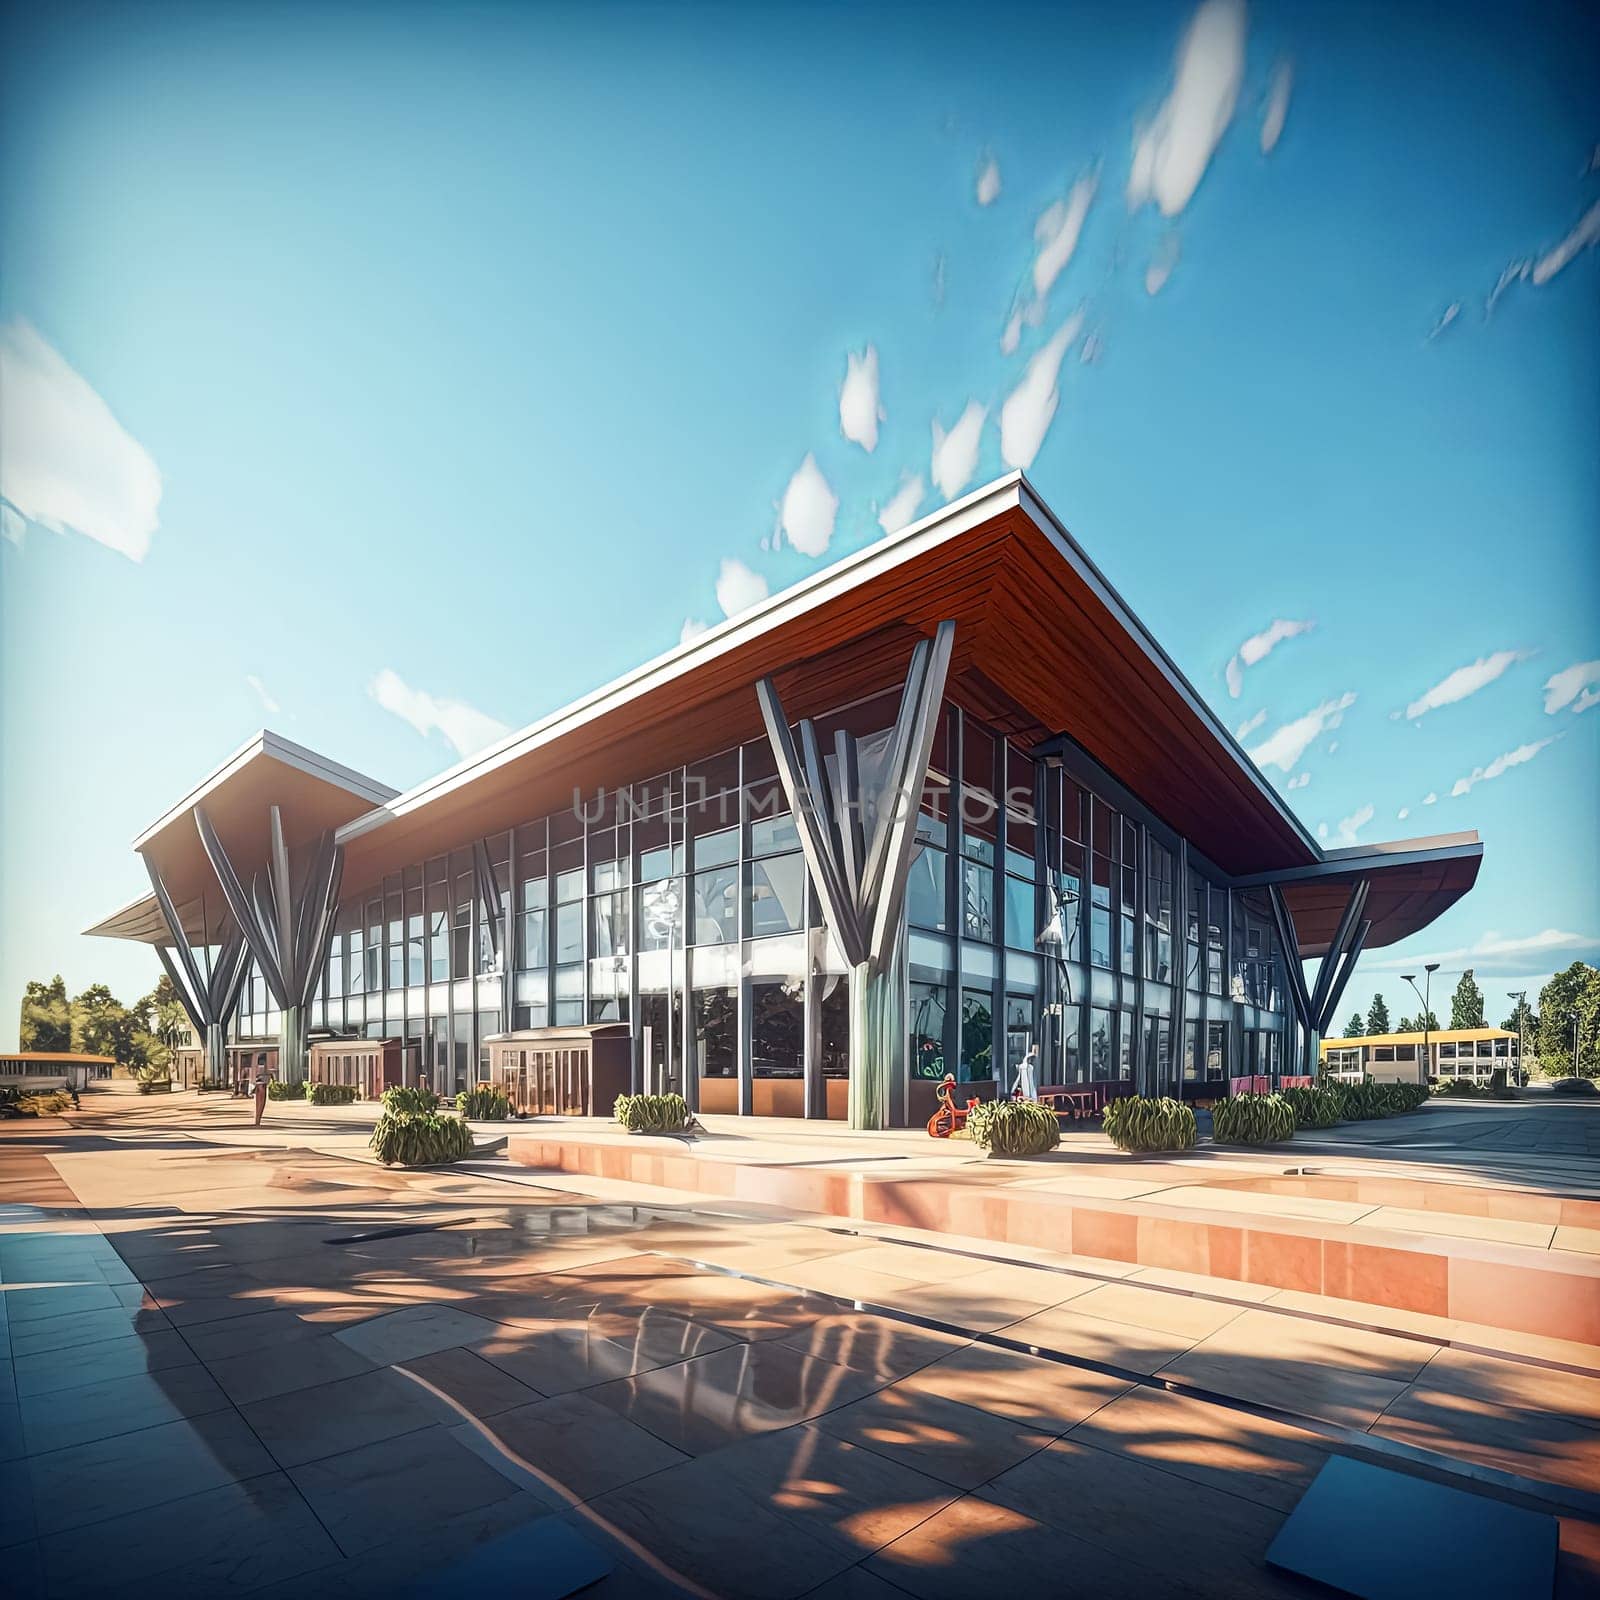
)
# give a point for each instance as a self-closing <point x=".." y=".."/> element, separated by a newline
<point x="1355" y="1028"/>
<point x="1424" y="1020"/>
<point x="1523" y="1018"/>
<point x="1377" y="1016"/>
<point x="1408" y="1025"/>
<point x="1570" y="997"/>
<point x="1466" y="1005"/>
<point x="163" y="1015"/>
<point x="46" y="1017"/>
<point x="102" y="1026"/>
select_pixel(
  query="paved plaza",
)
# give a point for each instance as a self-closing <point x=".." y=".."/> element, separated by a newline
<point x="251" y="1361"/>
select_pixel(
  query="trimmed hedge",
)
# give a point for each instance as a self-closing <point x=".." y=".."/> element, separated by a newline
<point x="1252" y="1119"/>
<point x="409" y="1102"/>
<point x="420" y="1139"/>
<point x="1403" y="1097"/>
<point x="652" y="1113"/>
<point x="484" y="1103"/>
<point x="278" y="1090"/>
<point x="1313" y="1108"/>
<point x="1137" y="1122"/>
<point x="1014" y="1127"/>
<point x="332" y="1094"/>
<point x="23" y="1102"/>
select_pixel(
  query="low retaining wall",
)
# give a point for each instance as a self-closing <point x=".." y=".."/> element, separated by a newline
<point x="1555" y="1294"/>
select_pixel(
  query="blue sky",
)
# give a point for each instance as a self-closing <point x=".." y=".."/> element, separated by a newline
<point x="394" y="375"/>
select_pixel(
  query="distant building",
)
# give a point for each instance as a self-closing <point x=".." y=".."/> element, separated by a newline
<point x="1471" y="1053"/>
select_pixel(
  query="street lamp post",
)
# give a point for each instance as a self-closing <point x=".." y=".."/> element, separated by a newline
<point x="1521" y="997"/>
<point x="1428" y="968"/>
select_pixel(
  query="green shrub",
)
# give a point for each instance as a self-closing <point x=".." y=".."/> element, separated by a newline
<point x="277" y="1089"/>
<point x="1014" y="1127"/>
<point x="1573" y="1086"/>
<point x="420" y="1139"/>
<point x="1141" y="1122"/>
<point x="1252" y="1119"/>
<point x="652" y="1113"/>
<point x="25" y="1102"/>
<point x="1361" y="1102"/>
<point x="409" y="1102"/>
<point x="1313" y="1108"/>
<point x="332" y="1094"/>
<point x="1457" y="1089"/>
<point x="484" y="1102"/>
<point x="1403" y="1097"/>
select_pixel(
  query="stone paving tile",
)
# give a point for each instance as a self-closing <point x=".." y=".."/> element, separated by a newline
<point x="475" y="1385"/>
<point x="1117" y="1344"/>
<point x="53" y="1371"/>
<point x="1047" y="1396"/>
<point x="721" y="1533"/>
<point x="1584" y="1240"/>
<point x="854" y="1498"/>
<point x="1500" y="1230"/>
<point x="302" y="1425"/>
<point x="1214" y="1541"/>
<point x="117" y="1405"/>
<point x="1227" y="1450"/>
<point x="1188" y="1316"/>
<point x="579" y="1447"/>
<point x="231" y="1539"/>
<point x="600" y="1348"/>
<point x="63" y="1333"/>
<point x="398" y="1488"/>
<point x="1512" y="1385"/>
<point x="1299" y="1388"/>
<point x="955" y="1443"/>
<point x="881" y="1347"/>
<point x="716" y="1399"/>
<point x="1532" y="1443"/>
<point x="977" y="1547"/>
<point x="133" y="1471"/>
<point x="413" y="1331"/>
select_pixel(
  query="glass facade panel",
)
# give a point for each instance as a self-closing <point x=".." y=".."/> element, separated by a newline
<point x="715" y="1025"/>
<point x="777" y="1029"/>
<point x="777" y="895"/>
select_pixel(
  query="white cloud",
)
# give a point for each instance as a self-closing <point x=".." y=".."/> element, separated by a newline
<point x="1171" y="154"/>
<point x="1091" y="350"/>
<point x="1299" y="781"/>
<point x="1446" y="317"/>
<point x="1012" y="336"/>
<point x="1431" y="798"/>
<point x="1333" y="745"/>
<point x="1571" y="687"/>
<point x="465" y="728"/>
<point x="1029" y="409"/>
<point x="955" y="454"/>
<point x="1285" y="745"/>
<point x="808" y="509"/>
<point x="738" y="588"/>
<point x="1345" y="833"/>
<point x="1161" y="264"/>
<point x="1584" y="236"/>
<point x="12" y="527"/>
<point x="1403" y="813"/>
<point x="65" y="461"/>
<point x="859" y="410"/>
<point x="692" y="628"/>
<point x="1464" y="681"/>
<point x="1531" y="952"/>
<point x="901" y="511"/>
<point x="1539" y="270"/>
<point x="1277" y="107"/>
<point x="1322" y="830"/>
<point x="1056" y="233"/>
<point x="1501" y="765"/>
<point x="989" y="182"/>
<point x="1258" y="647"/>
<point x="268" y="704"/>
<point x="1249" y="725"/>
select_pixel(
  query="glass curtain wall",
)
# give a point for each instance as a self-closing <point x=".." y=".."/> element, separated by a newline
<point x="1041" y="909"/>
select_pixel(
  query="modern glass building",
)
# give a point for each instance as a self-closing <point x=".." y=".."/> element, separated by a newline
<point x="944" y="800"/>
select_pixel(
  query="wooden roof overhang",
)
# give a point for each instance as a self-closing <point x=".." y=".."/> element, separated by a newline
<point x="313" y="795"/>
<point x="1044" y="646"/>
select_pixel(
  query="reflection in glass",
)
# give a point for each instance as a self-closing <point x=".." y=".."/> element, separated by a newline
<point x="777" y="895"/>
<point x="977" y="1035"/>
<point x="716" y="906"/>
<point x="715" y="1025"/>
<point x="833" y="1011"/>
<point x="778" y="1028"/>
<point x="927" y="1030"/>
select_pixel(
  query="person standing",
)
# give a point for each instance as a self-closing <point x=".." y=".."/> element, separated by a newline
<point x="1028" y="1075"/>
<point x="261" y="1092"/>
